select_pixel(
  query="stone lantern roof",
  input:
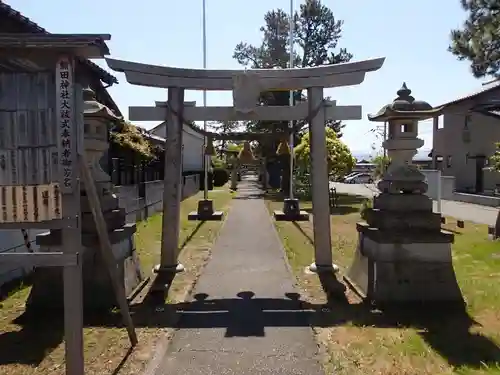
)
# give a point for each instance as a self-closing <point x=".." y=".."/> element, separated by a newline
<point x="405" y="107"/>
<point x="92" y="108"/>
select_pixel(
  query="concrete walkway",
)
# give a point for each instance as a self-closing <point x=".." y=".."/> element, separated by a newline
<point x="459" y="210"/>
<point x="234" y="326"/>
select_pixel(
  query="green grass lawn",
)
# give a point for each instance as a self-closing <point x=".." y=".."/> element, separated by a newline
<point x="366" y="342"/>
<point x="107" y="347"/>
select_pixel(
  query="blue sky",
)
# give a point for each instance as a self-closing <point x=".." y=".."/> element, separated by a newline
<point x="413" y="36"/>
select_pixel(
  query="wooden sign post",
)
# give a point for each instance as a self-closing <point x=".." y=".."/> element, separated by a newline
<point x="69" y="125"/>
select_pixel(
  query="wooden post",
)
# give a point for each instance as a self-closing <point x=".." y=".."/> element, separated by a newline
<point x="106" y="249"/>
<point x="69" y="107"/>
<point x="172" y="193"/>
<point x="73" y="287"/>
<point x="435" y="126"/>
<point x="320" y="188"/>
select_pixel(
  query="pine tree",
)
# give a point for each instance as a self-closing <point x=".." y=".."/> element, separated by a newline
<point x="478" y="41"/>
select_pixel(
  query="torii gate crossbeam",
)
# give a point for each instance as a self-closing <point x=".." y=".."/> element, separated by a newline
<point x="246" y="86"/>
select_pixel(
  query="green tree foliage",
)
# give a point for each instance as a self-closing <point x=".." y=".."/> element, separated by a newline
<point x="317" y="33"/>
<point x="129" y="139"/>
<point x="218" y="163"/>
<point x="478" y="41"/>
<point x="234" y="147"/>
<point x="340" y="159"/>
<point x="381" y="163"/>
<point x="494" y="161"/>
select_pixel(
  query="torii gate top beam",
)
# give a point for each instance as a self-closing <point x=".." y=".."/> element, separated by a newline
<point x="344" y="74"/>
<point x="246" y="86"/>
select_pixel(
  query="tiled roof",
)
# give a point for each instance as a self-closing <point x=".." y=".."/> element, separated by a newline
<point x="35" y="28"/>
<point x="487" y="87"/>
<point x="89" y="44"/>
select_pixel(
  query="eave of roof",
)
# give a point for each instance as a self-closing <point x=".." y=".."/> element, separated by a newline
<point x="490" y="113"/>
<point x="84" y="45"/>
<point x="486" y="88"/>
<point x="35" y="28"/>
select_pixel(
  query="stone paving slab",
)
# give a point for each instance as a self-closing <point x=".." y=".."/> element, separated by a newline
<point x="246" y="319"/>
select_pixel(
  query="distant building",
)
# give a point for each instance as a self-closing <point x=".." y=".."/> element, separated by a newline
<point x="192" y="145"/>
<point x="464" y="138"/>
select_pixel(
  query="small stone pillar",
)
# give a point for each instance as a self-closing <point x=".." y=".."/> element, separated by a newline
<point x="98" y="292"/>
<point x="403" y="255"/>
<point x="234" y="163"/>
<point x="234" y="177"/>
<point x="205" y="211"/>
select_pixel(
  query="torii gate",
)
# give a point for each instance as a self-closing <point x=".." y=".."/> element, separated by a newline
<point x="246" y="86"/>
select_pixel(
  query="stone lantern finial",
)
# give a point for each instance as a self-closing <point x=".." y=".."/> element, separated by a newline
<point x="404" y="93"/>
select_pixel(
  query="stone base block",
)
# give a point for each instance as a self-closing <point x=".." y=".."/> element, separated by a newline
<point x="98" y="293"/>
<point x="114" y="219"/>
<point x="394" y="220"/>
<point x="205" y="212"/>
<point x="108" y="202"/>
<point x="214" y="216"/>
<point x="281" y="216"/>
<point x="402" y="202"/>
<point x="388" y="273"/>
<point x="54" y="237"/>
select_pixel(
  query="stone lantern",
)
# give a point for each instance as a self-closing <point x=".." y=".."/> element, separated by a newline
<point x="403" y="255"/>
<point x="98" y="294"/>
<point x="97" y="119"/>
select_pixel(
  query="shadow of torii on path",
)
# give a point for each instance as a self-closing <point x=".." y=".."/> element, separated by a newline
<point x="446" y="331"/>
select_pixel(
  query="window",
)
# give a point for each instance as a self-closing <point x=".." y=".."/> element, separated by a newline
<point x="467" y="121"/>
<point x="440" y="122"/>
<point x="466" y="136"/>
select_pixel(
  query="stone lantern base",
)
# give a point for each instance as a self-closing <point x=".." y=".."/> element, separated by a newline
<point x="205" y="212"/>
<point x="98" y="293"/>
<point x="410" y="267"/>
<point x="291" y="211"/>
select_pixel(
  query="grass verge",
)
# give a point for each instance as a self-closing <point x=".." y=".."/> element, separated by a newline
<point x="40" y="349"/>
<point x="363" y="341"/>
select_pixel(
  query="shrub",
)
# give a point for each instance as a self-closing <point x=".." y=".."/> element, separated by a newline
<point x="365" y="206"/>
<point x="220" y="177"/>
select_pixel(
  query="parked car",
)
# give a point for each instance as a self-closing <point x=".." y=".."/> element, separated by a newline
<point x="342" y="179"/>
<point x="359" y="178"/>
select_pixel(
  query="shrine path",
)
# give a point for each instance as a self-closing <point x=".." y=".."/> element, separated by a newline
<point x="235" y="327"/>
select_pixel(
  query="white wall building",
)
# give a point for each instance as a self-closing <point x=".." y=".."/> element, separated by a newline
<point x="192" y="146"/>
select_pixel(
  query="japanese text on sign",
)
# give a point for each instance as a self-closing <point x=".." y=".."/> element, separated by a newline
<point x="64" y="81"/>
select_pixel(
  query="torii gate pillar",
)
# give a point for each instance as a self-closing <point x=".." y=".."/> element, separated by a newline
<point x="320" y="188"/>
<point x="172" y="191"/>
